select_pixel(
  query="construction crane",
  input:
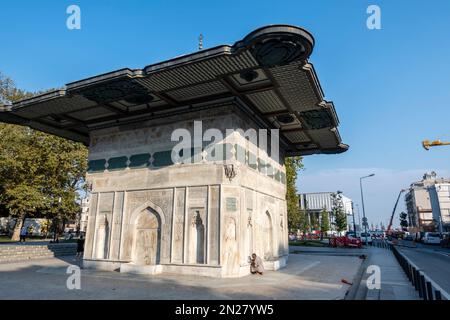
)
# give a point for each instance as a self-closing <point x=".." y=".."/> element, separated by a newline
<point x="388" y="231"/>
<point x="426" y="144"/>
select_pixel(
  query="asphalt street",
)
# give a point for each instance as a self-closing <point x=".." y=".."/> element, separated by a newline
<point x="433" y="261"/>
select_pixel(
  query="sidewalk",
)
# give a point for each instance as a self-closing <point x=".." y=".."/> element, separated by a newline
<point x="306" y="277"/>
<point x="394" y="283"/>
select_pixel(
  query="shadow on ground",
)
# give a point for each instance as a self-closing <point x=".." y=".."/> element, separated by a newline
<point x="306" y="277"/>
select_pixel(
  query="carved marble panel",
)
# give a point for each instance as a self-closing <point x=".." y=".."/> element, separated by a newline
<point x="178" y="226"/>
<point x="213" y="225"/>
<point x="116" y="230"/>
<point x="89" y="242"/>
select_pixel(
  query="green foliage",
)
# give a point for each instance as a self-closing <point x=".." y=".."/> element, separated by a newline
<point x="37" y="169"/>
<point x="315" y="222"/>
<point x="9" y="92"/>
<point x="340" y="217"/>
<point x="305" y="226"/>
<point x="293" y="164"/>
<point x="324" y="221"/>
<point x="403" y="221"/>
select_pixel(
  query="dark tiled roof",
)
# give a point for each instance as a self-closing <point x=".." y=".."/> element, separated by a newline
<point x="267" y="74"/>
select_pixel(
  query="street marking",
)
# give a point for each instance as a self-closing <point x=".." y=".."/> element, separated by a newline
<point x="443" y="254"/>
<point x="307" y="267"/>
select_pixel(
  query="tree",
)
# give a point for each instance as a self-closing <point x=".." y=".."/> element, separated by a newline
<point x="341" y="221"/>
<point x="293" y="164"/>
<point x="37" y="169"/>
<point x="315" y="222"/>
<point x="324" y="221"/>
<point x="337" y="209"/>
<point x="305" y="226"/>
<point x="403" y="221"/>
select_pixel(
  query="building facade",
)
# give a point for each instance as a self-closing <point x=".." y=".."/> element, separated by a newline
<point x="85" y="204"/>
<point x="440" y="204"/>
<point x="426" y="201"/>
<point x="315" y="203"/>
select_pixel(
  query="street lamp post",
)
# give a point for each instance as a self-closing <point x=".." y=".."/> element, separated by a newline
<point x="354" y="224"/>
<point x="359" y="216"/>
<point x="362" y="202"/>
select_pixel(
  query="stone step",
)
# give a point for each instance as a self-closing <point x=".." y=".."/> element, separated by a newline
<point x="11" y="253"/>
<point x="37" y="250"/>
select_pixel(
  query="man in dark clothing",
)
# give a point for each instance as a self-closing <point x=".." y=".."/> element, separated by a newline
<point x="23" y="234"/>
<point x="80" y="247"/>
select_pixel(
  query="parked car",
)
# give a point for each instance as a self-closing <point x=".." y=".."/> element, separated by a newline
<point x="364" y="236"/>
<point x="408" y="238"/>
<point x="351" y="234"/>
<point x="431" y="238"/>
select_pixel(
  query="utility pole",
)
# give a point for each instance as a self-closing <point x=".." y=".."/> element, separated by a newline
<point x="354" y="225"/>
<point x="362" y="202"/>
<point x="359" y="216"/>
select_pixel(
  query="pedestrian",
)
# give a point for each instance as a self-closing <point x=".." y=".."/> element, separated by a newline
<point x="23" y="234"/>
<point x="80" y="247"/>
<point x="256" y="265"/>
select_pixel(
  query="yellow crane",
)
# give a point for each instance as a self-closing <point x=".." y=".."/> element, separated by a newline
<point x="427" y="144"/>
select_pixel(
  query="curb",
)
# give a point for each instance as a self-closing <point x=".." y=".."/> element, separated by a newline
<point x="358" y="291"/>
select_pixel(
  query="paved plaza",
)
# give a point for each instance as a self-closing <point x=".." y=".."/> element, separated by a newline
<point x="307" y="276"/>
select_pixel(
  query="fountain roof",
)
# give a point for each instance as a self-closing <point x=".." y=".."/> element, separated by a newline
<point x="267" y="74"/>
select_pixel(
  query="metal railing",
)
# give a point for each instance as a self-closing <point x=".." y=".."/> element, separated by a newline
<point x="428" y="289"/>
<point x="384" y="244"/>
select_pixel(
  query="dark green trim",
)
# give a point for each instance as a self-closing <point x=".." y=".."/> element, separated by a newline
<point x="96" y="166"/>
<point x="118" y="163"/>
<point x="162" y="159"/>
<point x="140" y="161"/>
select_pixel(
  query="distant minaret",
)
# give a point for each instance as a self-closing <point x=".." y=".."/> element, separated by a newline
<point x="200" y="42"/>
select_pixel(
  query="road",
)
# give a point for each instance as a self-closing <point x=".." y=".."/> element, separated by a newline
<point x="434" y="261"/>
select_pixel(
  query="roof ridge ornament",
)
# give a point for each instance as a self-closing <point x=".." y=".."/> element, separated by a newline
<point x="277" y="45"/>
<point x="200" y="42"/>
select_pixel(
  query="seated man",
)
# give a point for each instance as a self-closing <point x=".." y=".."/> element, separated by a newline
<point x="256" y="265"/>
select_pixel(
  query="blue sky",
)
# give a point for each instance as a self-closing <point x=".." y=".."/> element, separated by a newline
<point x="391" y="87"/>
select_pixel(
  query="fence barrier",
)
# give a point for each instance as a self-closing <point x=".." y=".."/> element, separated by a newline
<point x="427" y="288"/>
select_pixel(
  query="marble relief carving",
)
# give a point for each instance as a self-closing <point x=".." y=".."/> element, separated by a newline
<point x="102" y="237"/>
<point x="147" y="238"/>
<point x="196" y="239"/>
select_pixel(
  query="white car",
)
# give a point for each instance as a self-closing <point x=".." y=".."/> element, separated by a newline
<point x="364" y="236"/>
<point x="431" y="238"/>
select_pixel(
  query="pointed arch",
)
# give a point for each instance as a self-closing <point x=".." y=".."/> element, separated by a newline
<point x="147" y="221"/>
<point x="147" y="205"/>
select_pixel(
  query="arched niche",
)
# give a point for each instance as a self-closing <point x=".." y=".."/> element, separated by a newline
<point x="196" y="238"/>
<point x="146" y="249"/>
<point x="267" y="230"/>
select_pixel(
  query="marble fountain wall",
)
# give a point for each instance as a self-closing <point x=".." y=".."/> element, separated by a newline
<point x="150" y="216"/>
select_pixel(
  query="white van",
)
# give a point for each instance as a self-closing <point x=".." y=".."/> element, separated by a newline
<point x="431" y="238"/>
